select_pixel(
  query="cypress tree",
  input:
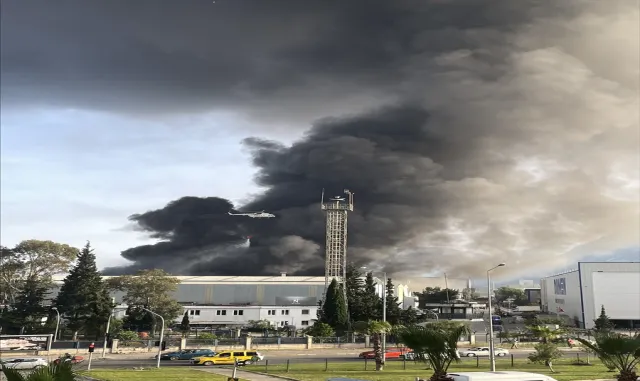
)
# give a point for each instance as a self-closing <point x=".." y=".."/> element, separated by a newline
<point x="28" y="311"/>
<point x="355" y="287"/>
<point x="83" y="299"/>
<point x="602" y="323"/>
<point x="394" y="312"/>
<point x="370" y="301"/>
<point x="185" y="325"/>
<point x="334" y="308"/>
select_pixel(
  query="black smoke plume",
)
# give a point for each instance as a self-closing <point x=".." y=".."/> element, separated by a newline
<point x="507" y="133"/>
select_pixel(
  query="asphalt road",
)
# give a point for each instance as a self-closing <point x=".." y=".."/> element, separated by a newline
<point x="273" y="360"/>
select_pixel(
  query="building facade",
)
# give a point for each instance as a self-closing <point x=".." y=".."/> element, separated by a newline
<point x="580" y="294"/>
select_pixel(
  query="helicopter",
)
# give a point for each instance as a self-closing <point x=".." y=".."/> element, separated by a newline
<point x="261" y="214"/>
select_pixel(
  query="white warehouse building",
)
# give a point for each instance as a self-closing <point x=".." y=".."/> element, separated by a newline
<point x="580" y="294"/>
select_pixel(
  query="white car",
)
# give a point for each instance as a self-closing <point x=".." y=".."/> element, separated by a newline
<point x="24" y="362"/>
<point x="483" y="351"/>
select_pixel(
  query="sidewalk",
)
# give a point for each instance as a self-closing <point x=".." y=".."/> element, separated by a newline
<point x="244" y="375"/>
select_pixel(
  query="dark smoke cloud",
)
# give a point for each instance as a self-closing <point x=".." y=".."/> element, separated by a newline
<point x="478" y="131"/>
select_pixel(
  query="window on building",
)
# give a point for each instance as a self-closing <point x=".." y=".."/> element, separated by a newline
<point x="305" y="322"/>
<point x="283" y="323"/>
<point x="305" y="312"/>
<point x="285" y="312"/>
<point x="271" y="312"/>
<point x="221" y="312"/>
<point x="238" y="312"/>
<point x="194" y="312"/>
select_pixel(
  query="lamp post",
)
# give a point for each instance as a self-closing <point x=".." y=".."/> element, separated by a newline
<point x="106" y="332"/>
<point x="492" y="355"/>
<point x="384" y="315"/>
<point x="55" y="335"/>
<point x="161" y="335"/>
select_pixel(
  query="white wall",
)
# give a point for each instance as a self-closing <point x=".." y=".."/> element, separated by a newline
<point x="565" y="301"/>
<point x="299" y="316"/>
<point x="592" y="291"/>
<point x="619" y="293"/>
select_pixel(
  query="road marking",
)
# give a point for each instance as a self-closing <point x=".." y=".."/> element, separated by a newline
<point x="306" y="354"/>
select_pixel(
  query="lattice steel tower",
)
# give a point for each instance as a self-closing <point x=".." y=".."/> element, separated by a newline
<point x="337" y="210"/>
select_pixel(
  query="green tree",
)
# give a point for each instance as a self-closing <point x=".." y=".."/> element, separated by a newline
<point x="545" y="354"/>
<point x="435" y="295"/>
<point x="126" y="335"/>
<point x="544" y="333"/>
<point x="436" y="344"/>
<point x="355" y="288"/>
<point x="394" y="312"/>
<point x="602" y="322"/>
<point x="370" y="300"/>
<point x="153" y="288"/>
<point x="29" y="311"/>
<point x="618" y="351"/>
<point x="83" y="300"/>
<point x="185" y="325"/>
<point x="409" y="316"/>
<point x="320" y="329"/>
<point x="32" y="259"/>
<point x="518" y="296"/>
<point x="375" y="329"/>
<point x="334" y="308"/>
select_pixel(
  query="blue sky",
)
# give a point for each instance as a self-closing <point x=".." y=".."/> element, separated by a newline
<point x="69" y="183"/>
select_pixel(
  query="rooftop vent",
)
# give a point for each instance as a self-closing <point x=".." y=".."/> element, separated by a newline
<point x="283" y="274"/>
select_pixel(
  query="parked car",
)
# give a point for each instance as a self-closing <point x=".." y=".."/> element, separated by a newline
<point x="390" y="353"/>
<point x="229" y="358"/>
<point x="24" y="362"/>
<point x="483" y="351"/>
<point x="186" y="354"/>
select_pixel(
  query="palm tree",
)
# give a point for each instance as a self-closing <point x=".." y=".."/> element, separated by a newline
<point x="53" y="372"/>
<point x="545" y="333"/>
<point x="619" y="351"/>
<point x="375" y="329"/>
<point x="436" y="343"/>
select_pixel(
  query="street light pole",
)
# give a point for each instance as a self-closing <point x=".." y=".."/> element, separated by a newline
<point x="161" y="335"/>
<point x="55" y="335"/>
<point x="492" y="355"/>
<point x="384" y="314"/>
<point x="384" y="318"/>
<point x="106" y="332"/>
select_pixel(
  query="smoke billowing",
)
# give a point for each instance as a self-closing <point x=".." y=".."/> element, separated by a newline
<point x="472" y="132"/>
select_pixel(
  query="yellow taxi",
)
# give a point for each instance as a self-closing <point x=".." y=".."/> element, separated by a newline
<point x="228" y="358"/>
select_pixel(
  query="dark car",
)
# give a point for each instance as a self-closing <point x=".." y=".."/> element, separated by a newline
<point x="187" y="354"/>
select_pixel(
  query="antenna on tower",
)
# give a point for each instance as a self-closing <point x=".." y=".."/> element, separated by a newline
<point x="322" y="198"/>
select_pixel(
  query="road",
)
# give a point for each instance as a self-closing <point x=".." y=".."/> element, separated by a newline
<point x="274" y="359"/>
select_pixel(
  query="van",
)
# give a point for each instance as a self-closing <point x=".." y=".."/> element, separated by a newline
<point x="499" y="376"/>
<point x="229" y="358"/>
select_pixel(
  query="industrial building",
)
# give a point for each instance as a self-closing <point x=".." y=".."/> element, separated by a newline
<point x="580" y="294"/>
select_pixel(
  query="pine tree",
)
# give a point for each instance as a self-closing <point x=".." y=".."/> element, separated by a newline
<point x="409" y="317"/>
<point x="602" y="323"/>
<point x="355" y="287"/>
<point x="28" y="311"/>
<point x="83" y="299"/>
<point x="334" y="308"/>
<point x="185" y="326"/>
<point x="394" y="312"/>
<point x="371" y="302"/>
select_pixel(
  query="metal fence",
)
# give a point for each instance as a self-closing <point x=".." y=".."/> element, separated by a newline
<point x="278" y="340"/>
<point x="224" y="342"/>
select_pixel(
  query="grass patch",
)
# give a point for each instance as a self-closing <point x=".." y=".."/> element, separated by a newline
<point x="166" y="374"/>
<point x="399" y="371"/>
